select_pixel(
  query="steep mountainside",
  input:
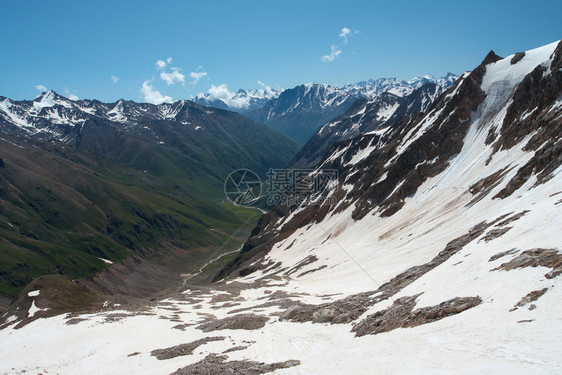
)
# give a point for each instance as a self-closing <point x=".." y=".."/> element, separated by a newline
<point x="83" y="180"/>
<point x="494" y="132"/>
<point x="364" y="116"/>
<point x="442" y="251"/>
<point x="431" y="213"/>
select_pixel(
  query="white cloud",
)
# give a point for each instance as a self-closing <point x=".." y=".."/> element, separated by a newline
<point x="153" y="96"/>
<point x="114" y="79"/>
<point x="336" y="49"/>
<point x="161" y="64"/>
<point x="221" y="92"/>
<point x="266" y="91"/>
<point x="344" y="33"/>
<point x="335" y="52"/>
<point x="169" y="77"/>
<point x="174" y="76"/>
<point x="41" y="88"/>
<point x="197" y="76"/>
<point x="69" y="95"/>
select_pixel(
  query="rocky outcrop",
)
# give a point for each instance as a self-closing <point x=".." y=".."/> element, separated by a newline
<point x="532" y="112"/>
<point x="402" y="315"/>
<point x="550" y="258"/>
<point x="218" y="365"/>
<point x="517" y="57"/>
<point x="183" y="349"/>
<point x="531" y="297"/>
<point x="501" y="254"/>
<point x="241" y="321"/>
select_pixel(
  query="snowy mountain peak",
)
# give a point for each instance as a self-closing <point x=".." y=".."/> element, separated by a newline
<point x="49" y="99"/>
<point x="248" y="101"/>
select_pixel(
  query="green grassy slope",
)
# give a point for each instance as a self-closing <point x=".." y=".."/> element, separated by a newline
<point x="61" y="209"/>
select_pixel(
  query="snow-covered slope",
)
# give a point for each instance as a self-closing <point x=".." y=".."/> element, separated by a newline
<point x="442" y="254"/>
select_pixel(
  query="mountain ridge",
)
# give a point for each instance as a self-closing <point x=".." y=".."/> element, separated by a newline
<point x="299" y="111"/>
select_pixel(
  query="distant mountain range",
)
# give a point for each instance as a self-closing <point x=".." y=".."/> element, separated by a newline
<point x="300" y="111"/>
<point x="240" y="101"/>
<point x="366" y="115"/>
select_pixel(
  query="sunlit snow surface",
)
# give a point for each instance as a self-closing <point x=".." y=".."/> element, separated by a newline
<point x="488" y="338"/>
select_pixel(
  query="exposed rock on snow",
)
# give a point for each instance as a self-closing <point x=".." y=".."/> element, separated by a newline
<point x="531" y="297"/>
<point x="400" y="314"/>
<point x="422" y="257"/>
<point x="502" y="254"/>
<point x="350" y="308"/>
<point x="183" y="349"/>
<point x="217" y="365"/>
<point x="550" y="258"/>
<point x="242" y="321"/>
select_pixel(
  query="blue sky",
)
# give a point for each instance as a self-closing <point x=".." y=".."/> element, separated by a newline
<point x="76" y="47"/>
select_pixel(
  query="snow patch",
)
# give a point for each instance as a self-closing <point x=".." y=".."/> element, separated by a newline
<point x="105" y="260"/>
<point x="33" y="309"/>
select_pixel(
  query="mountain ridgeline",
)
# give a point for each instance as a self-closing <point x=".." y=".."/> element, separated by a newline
<point x="299" y="112"/>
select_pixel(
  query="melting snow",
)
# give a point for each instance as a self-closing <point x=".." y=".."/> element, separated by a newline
<point x="33" y="309"/>
<point x="105" y="260"/>
<point x="362" y="154"/>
